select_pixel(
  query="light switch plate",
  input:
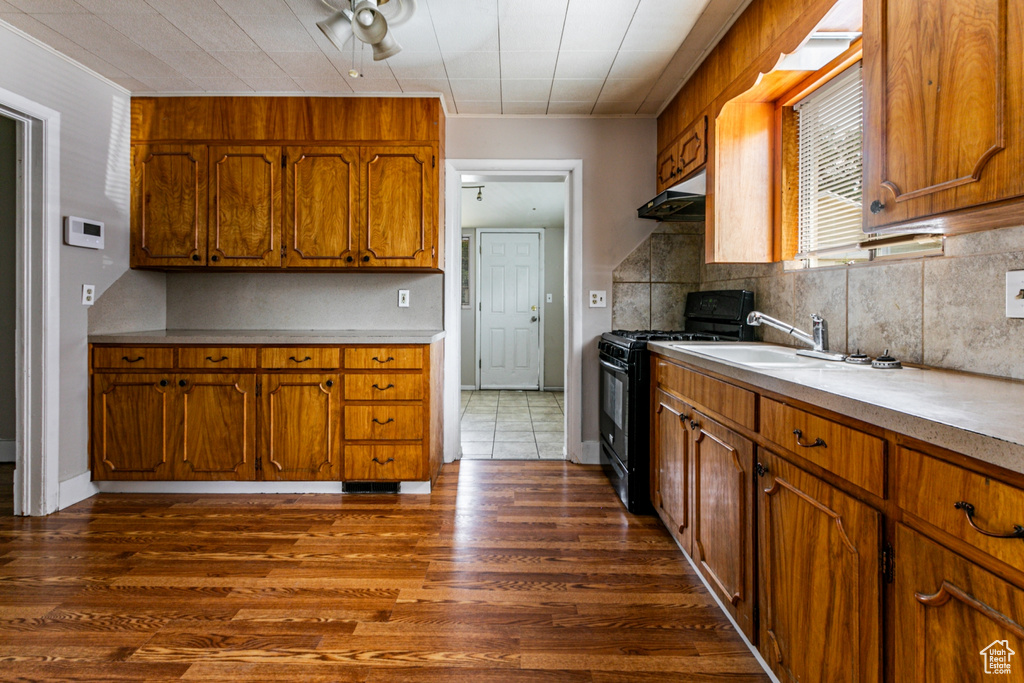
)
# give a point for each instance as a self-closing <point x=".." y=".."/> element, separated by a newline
<point x="88" y="295"/>
<point x="403" y="298"/>
<point x="597" y="299"/>
<point x="1015" y="294"/>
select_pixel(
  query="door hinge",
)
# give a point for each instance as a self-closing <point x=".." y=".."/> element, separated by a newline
<point x="259" y="388"/>
<point x="259" y="463"/>
<point x="888" y="563"/>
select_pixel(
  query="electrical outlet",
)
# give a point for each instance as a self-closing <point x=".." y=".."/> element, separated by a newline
<point x="1015" y="294"/>
<point x="403" y="298"/>
<point x="88" y="295"/>
<point x="549" y="298"/>
<point x="597" y="299"/>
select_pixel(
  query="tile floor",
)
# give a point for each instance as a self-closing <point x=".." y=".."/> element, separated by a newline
<point x="513" y="425"/>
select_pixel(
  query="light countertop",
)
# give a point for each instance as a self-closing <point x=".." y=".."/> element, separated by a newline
<point x="269" y="337"/>
<point x="975" y="415"/>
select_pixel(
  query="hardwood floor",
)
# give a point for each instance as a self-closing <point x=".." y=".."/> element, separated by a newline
<point x="508" y="571"/>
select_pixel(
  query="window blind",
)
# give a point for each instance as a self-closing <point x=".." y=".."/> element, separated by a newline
<point x="831" y="140"/>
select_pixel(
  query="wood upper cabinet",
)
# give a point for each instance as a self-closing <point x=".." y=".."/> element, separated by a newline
<point x="300" y="427"/>
<point x="820" y="578"/>
<point x="951" y="616"/>
<point x="671" y="467"/>
<point x="723" y="516"/>
<point x="245" y="210"/>
<point x="944" y="110"/>
<point x="683" y="155"/>
<point x="399" y="206"/>
<point x="168" y="226"/>
<point x="218" y="427"/>
<point x="320" y="225"/>
<point x="134" y="425"/>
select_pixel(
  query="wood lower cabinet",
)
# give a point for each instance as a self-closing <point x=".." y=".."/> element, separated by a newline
<point x="953" y="621"/>
<point x="820" y="583"/>
<point x="300" y="430"/>
<point x="671" y="443"/>
<point x="134" y="422"/>
<point x="218" y="427"/>
<point x="723" y="516"/>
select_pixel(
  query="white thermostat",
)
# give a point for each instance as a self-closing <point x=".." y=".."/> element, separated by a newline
<point x="82" y="232"/>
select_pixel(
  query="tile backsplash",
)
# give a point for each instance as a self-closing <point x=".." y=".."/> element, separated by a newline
<point x="943" y="311"/>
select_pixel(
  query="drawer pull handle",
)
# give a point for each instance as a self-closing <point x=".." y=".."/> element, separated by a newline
<point x="390" y="419"/>
<point x="299" y="361"/>
<point x="817" y="442"/>
<point x="389" y="386"/>
<point x="216" y="360"/>
<point x="132" y="360"/>
<point x="389" y="359"/>
<point x="382" y="463"/>
<point x="1018" y="530"/>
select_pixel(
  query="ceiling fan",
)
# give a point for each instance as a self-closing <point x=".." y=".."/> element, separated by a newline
<point x="370" y="21"/>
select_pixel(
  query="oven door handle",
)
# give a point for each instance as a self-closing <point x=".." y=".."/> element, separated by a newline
<point x="613" y="368"/>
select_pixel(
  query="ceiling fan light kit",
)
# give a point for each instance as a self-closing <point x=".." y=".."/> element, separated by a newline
<point x="370" y="21"/>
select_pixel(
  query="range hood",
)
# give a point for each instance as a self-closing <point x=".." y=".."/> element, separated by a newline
<point x="683" y="203"/>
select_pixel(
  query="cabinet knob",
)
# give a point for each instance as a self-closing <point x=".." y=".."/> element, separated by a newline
<point x="366" y="259"/>
<point x="182" y="382"/>
<point x="877" y="206"/>
<point x="760" y="469"/>
<point x="215" y="258"/>
<point x="195" y="257"/>
<point x="349" y="259"/>
<point x="329" y="383"/>
<point x="694" y="425"/>
<point x="163" y="383"/>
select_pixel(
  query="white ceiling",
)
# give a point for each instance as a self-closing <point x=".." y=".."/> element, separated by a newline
<point x="513" y="204"/>
<point x="490" y="57"/>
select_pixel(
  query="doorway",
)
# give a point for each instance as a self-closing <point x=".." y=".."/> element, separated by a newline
<point x="8" y="285"/>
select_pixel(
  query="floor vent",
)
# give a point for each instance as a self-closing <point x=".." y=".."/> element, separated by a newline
<point x="370" y="486"/>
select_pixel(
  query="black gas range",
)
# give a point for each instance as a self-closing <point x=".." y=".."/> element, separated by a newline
<point x="625" y="390"/>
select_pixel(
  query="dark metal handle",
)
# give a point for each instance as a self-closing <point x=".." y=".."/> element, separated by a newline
<point x="1018" y="530"/>
<point x="816" y="444"/>
<point x="216" y="360"/>
<point x="132" y="360"/>
<point x="195" y="257"/>
<point x="366" y="259"/>
<point x="877" y="206"/>
<point x="683" y="418"/>
<point x="349" y="259"/>
<point x="382" y="463"/>
<point x="760" y="469"/>
<point x="182" y="382"/>
<point x="383" y="389"/>
<point x="389" y="359"/>
<point x="215" y="258"/>
<point x="164" y="383"/>
<point x="390" y="419"/>
<point x="533" y="319"/>
<point x="329" y="383"/>
<point x="694" y="425"/>
<point x="299" y="361"/>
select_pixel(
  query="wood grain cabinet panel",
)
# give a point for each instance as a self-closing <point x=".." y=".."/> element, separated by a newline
<point x="380" y="387"/>
<point x="218" y="427"/>
<point x="723" y="516"/>
<point x="322" y="187"/>
<point x="132" y="357"/>
<point x="384" y="462"/>
<point x="245" y="212"/>
<point x="299" y="358"/>
<point x="953" y="621"/>
<point x="216" y="357"/>
<point x="168" y="205"/>
<point x="399" y="204"/>
<point x="134" y="419"/>
<point x="671" y="465"/>
<point x="820" y="578"/>
<point x="384" y="422"/>
<point x="300" y="427"/>
<point x="384" y="357"/>
<point x="728" y="400"/>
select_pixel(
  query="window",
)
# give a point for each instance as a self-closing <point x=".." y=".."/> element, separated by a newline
<point x="830" y="144"/>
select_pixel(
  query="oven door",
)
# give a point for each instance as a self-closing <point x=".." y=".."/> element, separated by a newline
<point x="615" y="397"/>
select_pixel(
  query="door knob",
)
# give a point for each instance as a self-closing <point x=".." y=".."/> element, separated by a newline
<point x="533" y="318"/>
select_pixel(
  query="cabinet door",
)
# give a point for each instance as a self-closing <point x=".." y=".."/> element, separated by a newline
<point x="723" y="516"/>
<point x="671" y="449"/>
<point x="820" y="578"/>
<point x="300" y="427"/>
<point x="245" y="212"/>
<point x="667" y="165"/>
<point x="218" y="436"/>
<point x="953" y="621"/>
<point x="944" y="107"/>
<point x="168" y="216"/>
<point x="399" y="206"/>
<point x="134" y="425"/>
<point x="322" y="191"/>
<point x="692" y="149"/>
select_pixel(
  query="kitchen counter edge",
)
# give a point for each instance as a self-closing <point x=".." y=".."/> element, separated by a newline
<point x="269" y="337"/>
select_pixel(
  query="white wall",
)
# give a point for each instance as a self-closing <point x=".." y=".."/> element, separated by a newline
<point x="618" y="176"/>
<point x="8" y="131"/>
<point x="94" y="142"/>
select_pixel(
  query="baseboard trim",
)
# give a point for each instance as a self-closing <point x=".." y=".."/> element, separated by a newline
<point x="590" y="453"/>
<point x="8" y="451"/>
<point x="554" y="389"/>
<point x="467" y="387"/>
<point x="238" y="487"/>
<point x="75" y="490"/>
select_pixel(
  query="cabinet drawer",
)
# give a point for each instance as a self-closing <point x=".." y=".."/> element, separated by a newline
<point x="721" y="397"/>
<point x="210" y="357"/>
<point x="132" y="357"/>
<point x="386" y="462"/>
<point x="377" y="387"/>
<point x="930" y="489"/>
<point x="853" y="455"/>
<point x="383" y="358"/>
<point x="383" y="422"/>
<point x="300" y="358"/>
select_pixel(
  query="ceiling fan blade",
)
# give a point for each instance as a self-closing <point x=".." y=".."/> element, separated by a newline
<point x="397" y="12"/>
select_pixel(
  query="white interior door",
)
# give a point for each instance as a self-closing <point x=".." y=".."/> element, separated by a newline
<point x="509" y="310"/>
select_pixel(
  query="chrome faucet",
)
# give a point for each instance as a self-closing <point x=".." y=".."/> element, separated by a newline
<point x="817" y="340"/>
